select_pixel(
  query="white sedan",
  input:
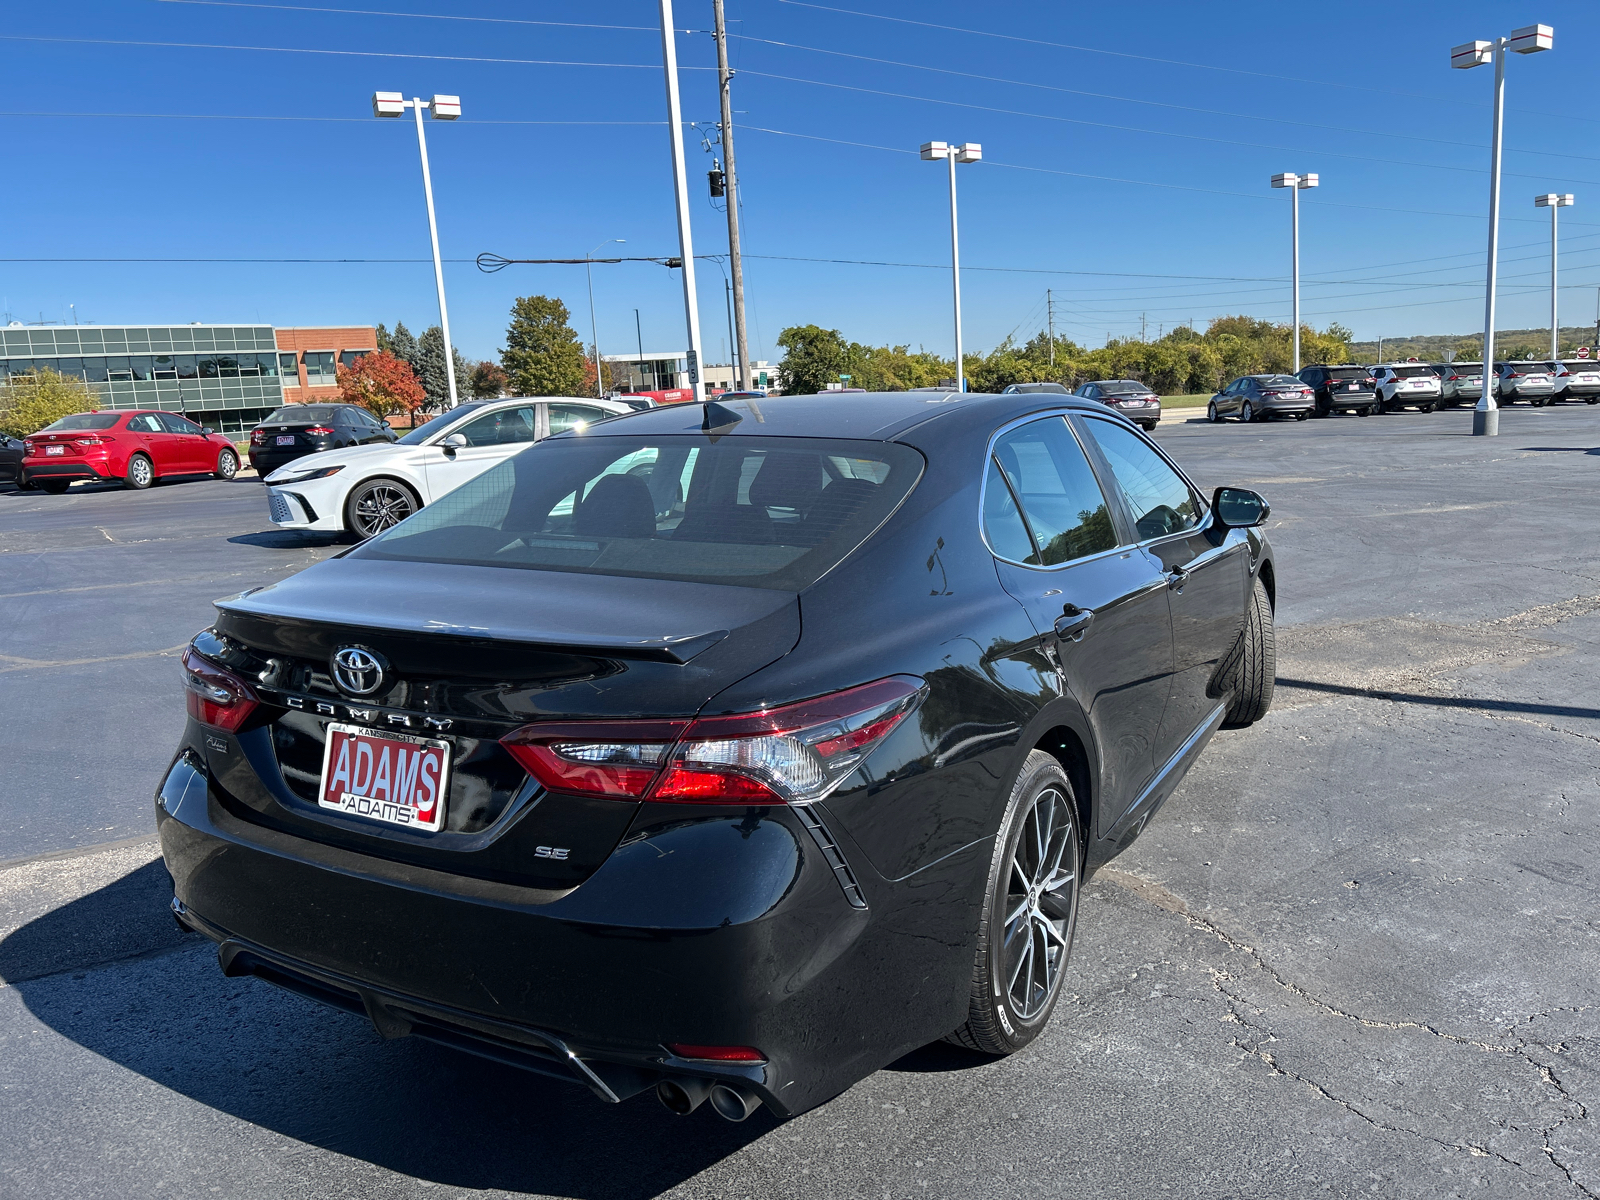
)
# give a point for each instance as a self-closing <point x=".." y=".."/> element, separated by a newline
<point x="363" y="490"/>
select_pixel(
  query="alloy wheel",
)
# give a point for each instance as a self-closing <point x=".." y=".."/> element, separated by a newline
<point x="1212" y="414"/>
<point x="1041" y="903"/>
<point x="227" y="465"/>
<point x="140" y="473"/>
<point x="381" y="506"/>
<point x="1247" y="413"/>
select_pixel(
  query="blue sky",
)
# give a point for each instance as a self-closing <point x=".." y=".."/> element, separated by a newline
<point x="1127" y="164"/>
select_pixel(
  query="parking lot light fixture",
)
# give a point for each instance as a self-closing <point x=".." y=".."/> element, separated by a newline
<point x="967" y="152"/>
<point x="1295" y="183"/>
<point x="1530" y="39"/>
<point x="443" y="108"/>
<point x="1554" y="202"/>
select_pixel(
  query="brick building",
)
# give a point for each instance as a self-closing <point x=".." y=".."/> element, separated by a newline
<point x="308" y="359"/>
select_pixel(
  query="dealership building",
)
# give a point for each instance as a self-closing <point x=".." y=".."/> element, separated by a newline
<point x="228" y="377"/>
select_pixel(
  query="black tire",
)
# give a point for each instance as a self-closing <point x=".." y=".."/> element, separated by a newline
<point x="1426" y="408"/>
<point x="1150" y="426"/>
<point x="227" y="465"/>
<point x="1255" y="671"/>
<point x="1247" y="413"/>
<point x="1301" y="416"/>
<point x="1593" y="400"/>
<point x="1215" y="417"/>
<point x="1041" y="812"/>
<point x="141" y="473"/>
<point x="1539" y="401"/>
<point x="1364" y="411"/>
<point x="54" y="486"/>
<point x="376" y="505"/>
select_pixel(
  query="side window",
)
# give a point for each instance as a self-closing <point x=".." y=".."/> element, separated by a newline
<point x="505" y="427"/>
<point x="177" y="424"/>
<point x="145" y="423"/>
<point x="1159" y="498"/>
<point x="573" y="416"/>
<point x="1062" y="507"/>
<point x="1002" y="520"/>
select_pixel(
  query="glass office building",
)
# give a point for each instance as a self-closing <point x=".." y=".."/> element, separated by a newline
<point x="224" y="376"/>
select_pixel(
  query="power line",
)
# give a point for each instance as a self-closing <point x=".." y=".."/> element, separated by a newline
<point x="276" y="117"/>
<point x="1178" y="187"/>
<point x="1171" y="62"/>
<point x="1211" y="112"/>
<point x="516" y="62"/>
<point x="1192" y="137"/>
<point x="367" y="12"/>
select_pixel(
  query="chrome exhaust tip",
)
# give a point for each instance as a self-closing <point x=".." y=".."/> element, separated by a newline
<point x="683" y="1096"/>
<point x="733" y="1104"/>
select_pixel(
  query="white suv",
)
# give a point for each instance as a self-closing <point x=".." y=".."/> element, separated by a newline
<point x="1400" y="384"/>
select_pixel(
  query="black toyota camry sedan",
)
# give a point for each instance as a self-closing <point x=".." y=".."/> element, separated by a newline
<point x="729" y="751"/>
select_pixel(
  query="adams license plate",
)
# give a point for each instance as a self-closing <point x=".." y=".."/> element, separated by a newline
<point x="393" y="778"/>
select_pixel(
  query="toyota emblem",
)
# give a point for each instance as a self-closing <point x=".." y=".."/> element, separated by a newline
<point x="358" y="670"/>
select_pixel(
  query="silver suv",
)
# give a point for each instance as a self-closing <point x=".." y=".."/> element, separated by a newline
<point x="1407" y="383"/>
<point x="1530" y="381"/>
<point x="1459" y="381"/>
<point x="1579" y="380"/>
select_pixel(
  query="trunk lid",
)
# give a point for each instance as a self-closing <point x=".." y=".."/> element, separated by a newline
<point x="469" y="654"/>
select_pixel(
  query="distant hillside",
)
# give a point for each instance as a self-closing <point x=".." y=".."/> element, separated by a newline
<point x="1508" y="343"/>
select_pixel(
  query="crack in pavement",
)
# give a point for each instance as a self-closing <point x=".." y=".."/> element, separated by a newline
<point x="1163" y="898"/>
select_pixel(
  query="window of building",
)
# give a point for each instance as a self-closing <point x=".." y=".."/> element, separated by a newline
<point x="347" y="358"/>
<point x="320" y="369"/>
<point x="288" y="366"/>
<point x="165" y="367"/>
<point x="188" y="366"/>
<point x="118" y="368"/>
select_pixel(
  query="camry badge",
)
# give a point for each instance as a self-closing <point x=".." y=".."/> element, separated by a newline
<point x="358" y="670"/>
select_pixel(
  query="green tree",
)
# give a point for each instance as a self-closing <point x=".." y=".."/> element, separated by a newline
<point x="487" y="381"/>
<point x="30" y="402"/>
<point x="813" y="357"/>
<point x="404" y="346"/>
<point x="382" y="338"/>
<point x="543" y="356"/>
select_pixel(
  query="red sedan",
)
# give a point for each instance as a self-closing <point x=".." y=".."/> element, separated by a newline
<point x="136" y="448"/>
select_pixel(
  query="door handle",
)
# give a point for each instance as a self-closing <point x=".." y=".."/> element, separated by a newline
<point x="1176" y="577"/>
<point x="1072" y="623"/>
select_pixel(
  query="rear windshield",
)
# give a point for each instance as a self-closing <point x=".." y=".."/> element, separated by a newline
<point x="1412" y="372"/>
<point x="753" y="511"/>
<point x="303" y="414"/>
<point x="1124" y="387"/>
<point x="1348" y="373"/>
<point x="83" y="421"/>
<point x="440" y="423"/>
<point x="1279" y="381"/>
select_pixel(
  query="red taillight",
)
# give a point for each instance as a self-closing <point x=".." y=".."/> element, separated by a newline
<point x="718" y="1053"/>
<point x="320" y="430"/>
<point x="92" y="441"/>
<point x="258" y="437"/>
<point x="595" y="758"/>
<point x="796" y="753"/>
<point x="216" y="696"/>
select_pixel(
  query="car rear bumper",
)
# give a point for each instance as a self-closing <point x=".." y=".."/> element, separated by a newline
<point x="1351" y="399"/>
<point x="267" y="461"/>
<point x="1280" y="407"/>
<point x="72" y="469"/>
<point x="708" y="929"/>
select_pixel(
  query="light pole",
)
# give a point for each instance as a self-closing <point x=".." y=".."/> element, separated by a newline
<point x="967" y="152"/>
<point x="1553" y="202"/>
<point x="594" y="329"/>
<point x="680" y="182"/>
<point x="1295" y="183"/>
<point x="443" y="108"/>
<point x="1528" y="40"/>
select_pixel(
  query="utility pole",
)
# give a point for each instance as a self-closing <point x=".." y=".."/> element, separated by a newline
<point x="1050" y="320"/>
<point x="680" y="182"/>
<point x="1554" y="202"/>
<point x="735" y="255"/>
<point x="1141" y="327"/>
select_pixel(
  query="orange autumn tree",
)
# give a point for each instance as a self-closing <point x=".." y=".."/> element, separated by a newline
<point x="383" y="383"/>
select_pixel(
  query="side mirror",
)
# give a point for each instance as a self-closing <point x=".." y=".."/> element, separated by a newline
<point x="206" y="429"/>
<point x="386" y="425"/>
<point x="1238" y="508"/>
<point x="453" y="442"/>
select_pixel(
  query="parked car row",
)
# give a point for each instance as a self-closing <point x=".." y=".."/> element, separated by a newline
<point x="1132" y="399"/>
<point x="1323" y="390"/>
<point x="132" y="447"/>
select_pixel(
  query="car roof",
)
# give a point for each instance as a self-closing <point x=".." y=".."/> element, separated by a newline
<point x="870" y="416"/>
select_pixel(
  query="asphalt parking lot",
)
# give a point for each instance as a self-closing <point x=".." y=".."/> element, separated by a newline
<point x="1354" y="955"/>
